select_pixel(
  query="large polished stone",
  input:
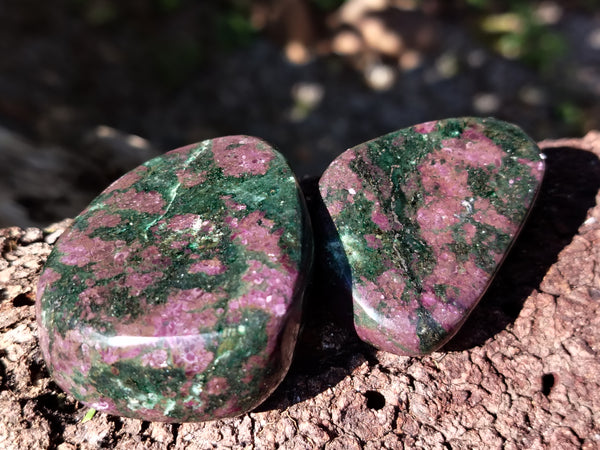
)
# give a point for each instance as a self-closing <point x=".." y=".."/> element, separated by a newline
<point x="424" y="217"/>
<point x="176" y="294"/>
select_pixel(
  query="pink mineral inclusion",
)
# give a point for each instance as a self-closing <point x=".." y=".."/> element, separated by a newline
<point x="67" y="354"/>
<point x="216" y="386"/>
<point x="188" y="178"/>
<point x="111" y="354"/>
<point x="270" y="289"/>
<point x="137" y="282"/>
<point x="461" y="149"/>
<point x="336" y="207"/>
<point x="152" y="257"/>
<point x="396" y="318"/>
<point x="485" y="213"/>
<point x="189" y="352"/>
<point x="256" y="233"/>
<point x="208" y="266"/>
<point x="448" y="199"/>
<point x="392" y="282"/>
<point x="144" y="202"/>
<point x="241" y="155"/>
<point x="93" y="296"/>
<point x="109" y="258"/>
<point x="382" y="295"/>
<point x="425" y="128"/>
<point x="157" y="359"/>
<point x="102" y="219"/>
<point x="127" y="180"/>
<point x="469" y="279"/>
<point x="469" y="231"/>
<point x="444" y="180"/>
<point x="443" y="205"/>
<point x="537" y="168"/>
<point x="439" y="214"/>
<point x="373" y="241"/>
<point x="379" y="218"/>
<point x="184" y="222"/>
<point x="78" y="249"/>
<point x="186" y="312"/>
<point x="231" y="204"/>
<point x="446" y="314"/>
<point x="340" y="177"/>
<point x="48" y="277"/>
<point x="252" y="363"/>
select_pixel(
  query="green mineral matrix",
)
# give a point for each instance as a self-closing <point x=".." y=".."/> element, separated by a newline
<point x="176" y="294"/>
<point x="423" y="218"/>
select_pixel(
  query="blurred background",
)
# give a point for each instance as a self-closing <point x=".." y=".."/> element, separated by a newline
<point x="91" y="88"/>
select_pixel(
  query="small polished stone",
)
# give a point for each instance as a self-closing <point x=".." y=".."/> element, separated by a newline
<point x="423" y="217"/>
<point x="176" y="294"/>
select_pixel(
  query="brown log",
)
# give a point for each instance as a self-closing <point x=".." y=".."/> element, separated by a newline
<point x="524" y="371"/>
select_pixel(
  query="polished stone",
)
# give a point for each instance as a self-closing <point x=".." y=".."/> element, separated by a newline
<point x="424" y="217"/>
<point x="176" y="294"/>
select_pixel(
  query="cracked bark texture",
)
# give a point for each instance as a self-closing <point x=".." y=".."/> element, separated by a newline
<point x="524" y="371"/>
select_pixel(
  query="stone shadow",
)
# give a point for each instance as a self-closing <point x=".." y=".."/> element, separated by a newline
<point x="569" y="189"/>
<point x="328" y="348"/>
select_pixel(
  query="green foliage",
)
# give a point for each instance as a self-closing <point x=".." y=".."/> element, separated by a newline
<point x="175" y="60"/>
<point x="88" y="415"/>
<point x="327" y="5"/>
<point x="228" y="21"/>
<point x="234" y="28"/>
<point x="169" y="5"/>
<point x="479" y="3"/>
<point x="98" y="13"/>
<point x="519" y="33"/>
<point x="571" y="114"/>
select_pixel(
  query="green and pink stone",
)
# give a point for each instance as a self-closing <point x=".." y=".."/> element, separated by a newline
<point x="422" y="219"/>
<point x="176" y="295"/>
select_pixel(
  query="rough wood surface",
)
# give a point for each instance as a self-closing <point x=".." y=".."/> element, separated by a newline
<point x="524" y="372"/>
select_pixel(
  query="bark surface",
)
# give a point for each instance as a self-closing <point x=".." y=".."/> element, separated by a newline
<point x="523" y="372"/>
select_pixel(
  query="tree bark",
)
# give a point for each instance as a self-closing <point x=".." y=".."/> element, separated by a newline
<point x="523" y="372"/>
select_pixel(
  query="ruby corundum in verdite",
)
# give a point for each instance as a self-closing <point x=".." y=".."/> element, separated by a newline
<point x="176" y="294"/>
<point x="423" y="218"/>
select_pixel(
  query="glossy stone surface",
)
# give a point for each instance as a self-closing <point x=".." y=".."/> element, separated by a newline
<point x="176" y="295"/>
<point x="424" y="217"/>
